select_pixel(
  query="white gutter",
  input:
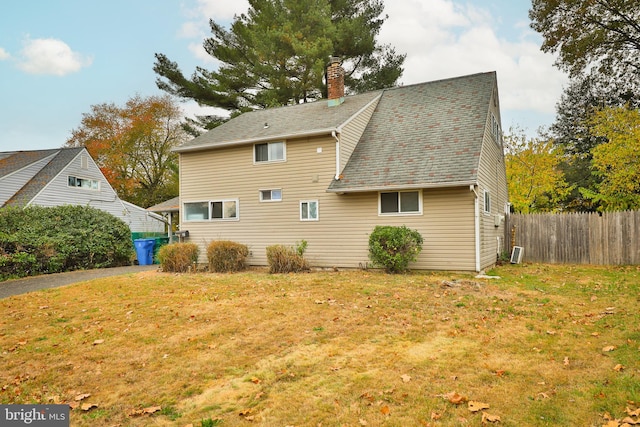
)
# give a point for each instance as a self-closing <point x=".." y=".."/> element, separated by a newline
<point x="476" y="226"/>
<point x="307" y="134"/>
<point x="333" y="134"/>
<point x="403" y="187"/>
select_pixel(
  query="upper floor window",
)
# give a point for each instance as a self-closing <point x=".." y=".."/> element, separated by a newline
<point x="269" y="152"/>
<point x="495" y="130"/>
<point x="88" y="184"/>
<point x="487" y="201"/>
<point x="400" y="202"/>
<point x="271" y="195"/>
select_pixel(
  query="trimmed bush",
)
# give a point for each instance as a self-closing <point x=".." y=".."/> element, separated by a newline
<point x="393" y="248"/>
<point x="178" y="257"/>
<point x="226" y="256"/>
<point x="38" y="240"/>
<point x="287" y="259"/>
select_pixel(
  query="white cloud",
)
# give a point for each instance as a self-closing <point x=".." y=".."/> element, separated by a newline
<point x="220" y="10"/>
<point x="51" y="56"/>
<point x="4" y="54"/>
<point x="443" y="39"/>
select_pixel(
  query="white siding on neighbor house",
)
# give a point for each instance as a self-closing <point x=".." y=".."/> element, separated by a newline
<point x="10" y="184"/>
<point x="353" y="130"/>
<point x="58" y="192"/>
<point x="340" y="237"/>
<point x="141" y="220"/>
<point x="492" y="177"/>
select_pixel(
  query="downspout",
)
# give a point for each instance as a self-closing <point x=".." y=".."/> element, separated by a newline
<point x="476" y="226"/>
<point x="333" y="134"/>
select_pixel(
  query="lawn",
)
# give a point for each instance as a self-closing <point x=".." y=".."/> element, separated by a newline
<point x="541" y="346"/>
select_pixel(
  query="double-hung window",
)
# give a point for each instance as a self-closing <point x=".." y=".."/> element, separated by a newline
<point x="269" y="152"/>
<point x="487" y="201"/>
<point x="309" y="210"/>
<point x="400" y="202"/>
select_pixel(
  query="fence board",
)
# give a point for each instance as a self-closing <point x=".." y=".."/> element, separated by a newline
<point x="612" y="238"/>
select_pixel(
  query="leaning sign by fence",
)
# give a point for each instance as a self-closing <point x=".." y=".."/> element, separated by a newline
<point x="611" y="238"/>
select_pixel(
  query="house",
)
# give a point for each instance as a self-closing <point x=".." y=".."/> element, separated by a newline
<point x="428" y="156"/>
<point x="66" y="176"/>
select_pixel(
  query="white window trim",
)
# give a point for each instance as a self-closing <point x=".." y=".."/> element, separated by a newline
<point x="317" y="218"/>
<point x="419" y="212"/>
<point x="236" y="218"/>
<point x="260" y="192"/>
<point x="84" y="179"/>
<point x="210" y="211"/>
<point x="284" y="153"/>
<point x="484" y="202"/>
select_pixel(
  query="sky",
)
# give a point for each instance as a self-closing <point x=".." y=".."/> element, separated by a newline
<point x="60" y="57"/>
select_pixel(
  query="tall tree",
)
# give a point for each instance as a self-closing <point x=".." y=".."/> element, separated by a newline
<point x="536" y="182"/>
<point x="617" y="161"/>
<point x="603" y="35"/>
<point x="132" y="146"/>
<point x="276" y="54"/>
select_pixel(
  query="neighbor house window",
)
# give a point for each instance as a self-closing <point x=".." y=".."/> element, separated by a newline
<point x="196" y="211"/>
<point x="487" y="201"/>
<point x="270" y="195"/>
<point x="309" y="210"/>
<point x="400" y="202"/>
<point x="88" y="184"/>
<point x="224" y="209"/>
<point x="269" y="152"/>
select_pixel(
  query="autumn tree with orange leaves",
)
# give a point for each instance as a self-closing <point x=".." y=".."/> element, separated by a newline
<point x="132" y="146"/>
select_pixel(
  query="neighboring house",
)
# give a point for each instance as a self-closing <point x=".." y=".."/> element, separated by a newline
<point x="428" y="156"/>
<point x="66" y="176"/>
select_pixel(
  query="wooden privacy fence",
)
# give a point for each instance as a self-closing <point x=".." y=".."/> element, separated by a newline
<point x="611" y="238"/>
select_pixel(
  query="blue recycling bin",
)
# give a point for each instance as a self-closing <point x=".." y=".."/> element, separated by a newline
<point x="144" y="250"/>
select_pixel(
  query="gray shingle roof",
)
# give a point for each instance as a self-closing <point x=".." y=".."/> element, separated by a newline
<point x="313" y="118"/>
<point x="19" y="159"/>
<point x="422" y="135"/>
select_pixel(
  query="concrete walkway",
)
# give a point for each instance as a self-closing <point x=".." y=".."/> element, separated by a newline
<point x="47" y="281"/>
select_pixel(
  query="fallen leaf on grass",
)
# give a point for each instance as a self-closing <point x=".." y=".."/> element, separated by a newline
<point x="363" y="422"/>
<point x="256" y="380"/>
<point x="88" y="406"/>
<point x="633" y="413"/>
<point x="455" y="398"/>
<point x="245" y="412"/>
<point x="385" y="410"/>
<point x="477" y="406"/>
<point x="490" y="418"/>
<point x="97" y="342"/>
<point x="565" y="362"/>
<point x="630" y="421"/>
<point x="618" y="368"/>
<point x="435" y="415"/>
<point x="608" y="348"/>
<point x="82" y="396"/>
<point x="405" y="378"/>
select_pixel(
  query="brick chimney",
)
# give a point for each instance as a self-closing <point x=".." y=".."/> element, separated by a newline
<point x="335" y="82"/>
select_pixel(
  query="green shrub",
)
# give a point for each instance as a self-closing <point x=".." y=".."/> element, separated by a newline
<point x="226" y="256"/>
<point x="178" y="257"/>
<point x="38" y="240"/>
<point x="393" y="248"/>
<point x="287" y="259"/>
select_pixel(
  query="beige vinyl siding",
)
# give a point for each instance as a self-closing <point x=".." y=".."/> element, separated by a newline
<point x="492" y="177"/>
<point x="340" y="237"/>
<point x="353" y="130"/>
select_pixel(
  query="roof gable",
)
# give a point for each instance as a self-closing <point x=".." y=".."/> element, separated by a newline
<point x="313" y="118"/>
<point x="423" y="135"/>
<point x="39" y="181"/>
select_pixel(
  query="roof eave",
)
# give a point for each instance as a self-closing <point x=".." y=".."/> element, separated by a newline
<point x="403" y="187"/>
<point x="215" y="145"/>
